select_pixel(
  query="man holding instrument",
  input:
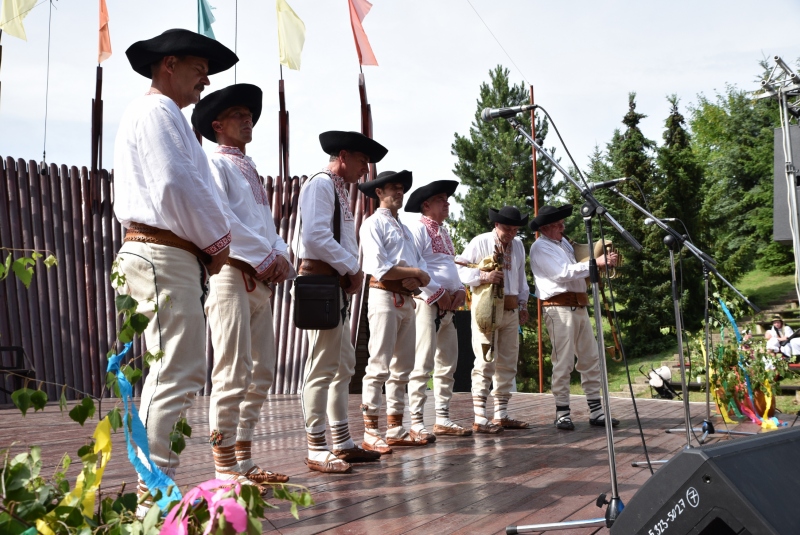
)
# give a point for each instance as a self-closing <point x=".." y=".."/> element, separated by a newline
<point x="561" y="286"/>
<point x="397" y="272"/>
<point x="331" y="356"/>
<point x="502" y="367"/>
<point x="238" y="305"/>
<point x="437" y="340"/>
<point x="177" y="229"/>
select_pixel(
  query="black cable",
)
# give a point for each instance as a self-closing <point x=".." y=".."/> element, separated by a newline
<point x="569" y="155"/>
<point x="47" y="87"/>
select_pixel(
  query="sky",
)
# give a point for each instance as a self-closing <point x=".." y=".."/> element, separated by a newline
<point x="582" y="57"/>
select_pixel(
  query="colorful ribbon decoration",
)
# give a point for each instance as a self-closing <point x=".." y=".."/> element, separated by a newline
<point x="151" y="474"/>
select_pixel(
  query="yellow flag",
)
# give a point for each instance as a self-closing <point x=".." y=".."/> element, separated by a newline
<point x="11" y="14"/>
<point x="291" y="35"/>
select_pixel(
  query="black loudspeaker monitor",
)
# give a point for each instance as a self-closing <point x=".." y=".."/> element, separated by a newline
<point x="742" y="486"/>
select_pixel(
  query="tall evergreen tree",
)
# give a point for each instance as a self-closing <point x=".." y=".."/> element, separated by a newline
<point x="733" y="140"/>
<point x="644" y="285"/>
<point x="496" y="163"/>
<point x="677" y="195"/>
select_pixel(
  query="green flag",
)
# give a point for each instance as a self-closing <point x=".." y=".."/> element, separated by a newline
<point x="205" y="19"/>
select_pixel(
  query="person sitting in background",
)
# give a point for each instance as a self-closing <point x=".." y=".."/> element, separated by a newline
<point x="778" y="338"/>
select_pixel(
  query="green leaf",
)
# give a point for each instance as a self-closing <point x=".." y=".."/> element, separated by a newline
<point x="126" y="334"/>
<point x="125" y="302"/>
<point x="115" y="418"/>
<point x="86" y="449"/>
<point x="132" y="374"/>
<point x="139" y="322"/>
<point x="62" y="401"/>
<point x="5" y="268"/>
<point x="183" y="427"/>
<point x="23" y="272"/>
<point x="38" y="400"/>
<point x="176" y="442"/>
<point x="22" y="399"/>
<point x="82" y="411"/>
<point x="151" y="519"/>
<point x="125" y="502"/>
<point x="71" y="516"/>
<point x="50" y="261"/>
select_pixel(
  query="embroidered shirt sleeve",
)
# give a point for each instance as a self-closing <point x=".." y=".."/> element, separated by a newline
<point x="218" y="245"/>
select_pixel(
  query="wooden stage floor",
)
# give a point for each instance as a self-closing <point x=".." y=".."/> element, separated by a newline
<point x="469" y="485"/>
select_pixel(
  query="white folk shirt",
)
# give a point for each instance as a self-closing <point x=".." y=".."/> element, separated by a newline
<point x="436" y="248"/>
<point x="255" y="240"/>
<point x="481" y="246"/>
<point x="386" y="243"/>
<point x="316" y="210"/>
<point x="555" y="269"/>
<point x="162" y="178"/>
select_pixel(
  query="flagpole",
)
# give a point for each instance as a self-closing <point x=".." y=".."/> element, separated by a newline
<point x="535" y="212"/>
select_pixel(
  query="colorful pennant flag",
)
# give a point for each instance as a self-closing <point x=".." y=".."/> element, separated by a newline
<point x="11" y="14"/>
<point x="205" y="19"/>
<point x="359" y="10"/>
<point x="291" y="35"/>
<point x="104" y="48"/>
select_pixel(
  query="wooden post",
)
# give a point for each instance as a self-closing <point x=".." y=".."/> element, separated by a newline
<point x="535" y="212"/>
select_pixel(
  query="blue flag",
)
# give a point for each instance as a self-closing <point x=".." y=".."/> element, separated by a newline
<point x="205" y="19"/>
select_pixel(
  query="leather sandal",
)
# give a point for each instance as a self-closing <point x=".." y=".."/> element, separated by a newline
<point x="565" y="423"/>
<point x="601" y="421"/>
<point x="331" y="465"/>
<point x="383" y="449"/>
<point x="357" y="455"/>
<point x="510" y="423"/>
<point x="406" y="440"/>
<point x="259" y="476"/>
<point x="452" y="430"/>
<point x="489" y="428"/>
<point x="422" y="435"/>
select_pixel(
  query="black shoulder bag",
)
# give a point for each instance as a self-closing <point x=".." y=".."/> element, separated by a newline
<point x="317" y="298"/>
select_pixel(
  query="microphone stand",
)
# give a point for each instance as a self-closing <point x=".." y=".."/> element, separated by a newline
<point x="674" y="242"/>
<point x="589" y="209"/>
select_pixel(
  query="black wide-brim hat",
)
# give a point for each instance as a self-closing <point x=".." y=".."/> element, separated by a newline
<point x="336" y="140"/>
<point x="180" y="42"/>
<point x="212" y="105"/>
<point x="420" y="195"/>
<point x="507" y="215"/>
<point x="550" y="214"/>
<point x="387" y="177"/>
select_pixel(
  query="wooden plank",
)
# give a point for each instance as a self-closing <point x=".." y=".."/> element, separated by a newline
<point x="52" y="315"/>
<point x="10" y="325"/>
<point x="82" y="354"/>
<point x="91" y="287"/>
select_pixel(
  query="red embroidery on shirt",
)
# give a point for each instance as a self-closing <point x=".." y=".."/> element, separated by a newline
<point x="385" y="212"/>
<point x="218" y="245"/>
<point x="249" y="172"/>
<point x="343" y="193"/>
<point x="506" y="251"/>
<point x="440" y="238"/>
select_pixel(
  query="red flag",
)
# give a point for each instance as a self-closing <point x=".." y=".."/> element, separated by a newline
<point x="359" y="10"/>
<point x="104" y="48"/>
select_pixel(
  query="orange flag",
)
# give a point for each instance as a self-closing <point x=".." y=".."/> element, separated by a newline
<point x="359" y="10"/>
<point x="104" y="48"/>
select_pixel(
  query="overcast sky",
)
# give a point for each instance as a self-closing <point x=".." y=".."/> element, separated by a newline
<point x="582" y="57"/>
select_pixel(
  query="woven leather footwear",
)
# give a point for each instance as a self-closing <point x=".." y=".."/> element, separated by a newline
<point x="380" y="448"/>
<point x="489" y="428"/>
<point x="565" y="423"/>
<point x="331" y="465"/>
<point x="510" y="423"/>
<point x="601" y="422"/>
<point x="451" y="430"/>
<point x="259" y="476"/>
<point x="423" y="435"/>
<point x="406" y="440"/>
<point x="357" y="455"/>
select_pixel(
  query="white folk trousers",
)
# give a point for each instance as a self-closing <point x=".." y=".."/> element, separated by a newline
<point x="503" y="368"/>
<point x="437" y="352"/>
<point x="240" y="317"/>
<point x="173" y="279"/>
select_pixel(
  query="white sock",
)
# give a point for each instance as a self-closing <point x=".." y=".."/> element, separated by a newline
<point x="317" y="455"/>
<point x="480" y="420"/>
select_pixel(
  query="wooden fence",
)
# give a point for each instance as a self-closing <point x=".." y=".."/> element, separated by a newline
<point x="66" y="320"/>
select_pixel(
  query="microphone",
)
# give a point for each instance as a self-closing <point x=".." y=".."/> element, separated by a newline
<point x="607" y="183"/>
<point x="489" y="114"/>
<point x="649" y="220"/>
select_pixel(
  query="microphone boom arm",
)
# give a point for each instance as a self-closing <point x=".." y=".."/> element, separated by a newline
<point x="704" y="259"/>
<point x="585" y="192"/>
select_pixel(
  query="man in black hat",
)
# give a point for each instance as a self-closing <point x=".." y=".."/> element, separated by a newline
<point x="561" y="286"/>
<point x="503" y="367"/>
<point x="238" y="305"/>
<point x="331" y="357"/>
<point x="397" y="272"/>
<point x="177" y="229"/>
<point x="437" y="340"/>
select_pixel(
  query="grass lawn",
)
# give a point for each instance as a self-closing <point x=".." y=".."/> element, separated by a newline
<point x="764" y="289"/>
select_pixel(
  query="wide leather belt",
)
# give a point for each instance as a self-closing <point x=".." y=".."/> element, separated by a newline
<point x="511" y="302"/>
<point x="309" y="266"/>
<point x="245" y="268"/>
<point x="139" y="232"/>
<point x="394" y="286"/>
<point x="567" y="299"/>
